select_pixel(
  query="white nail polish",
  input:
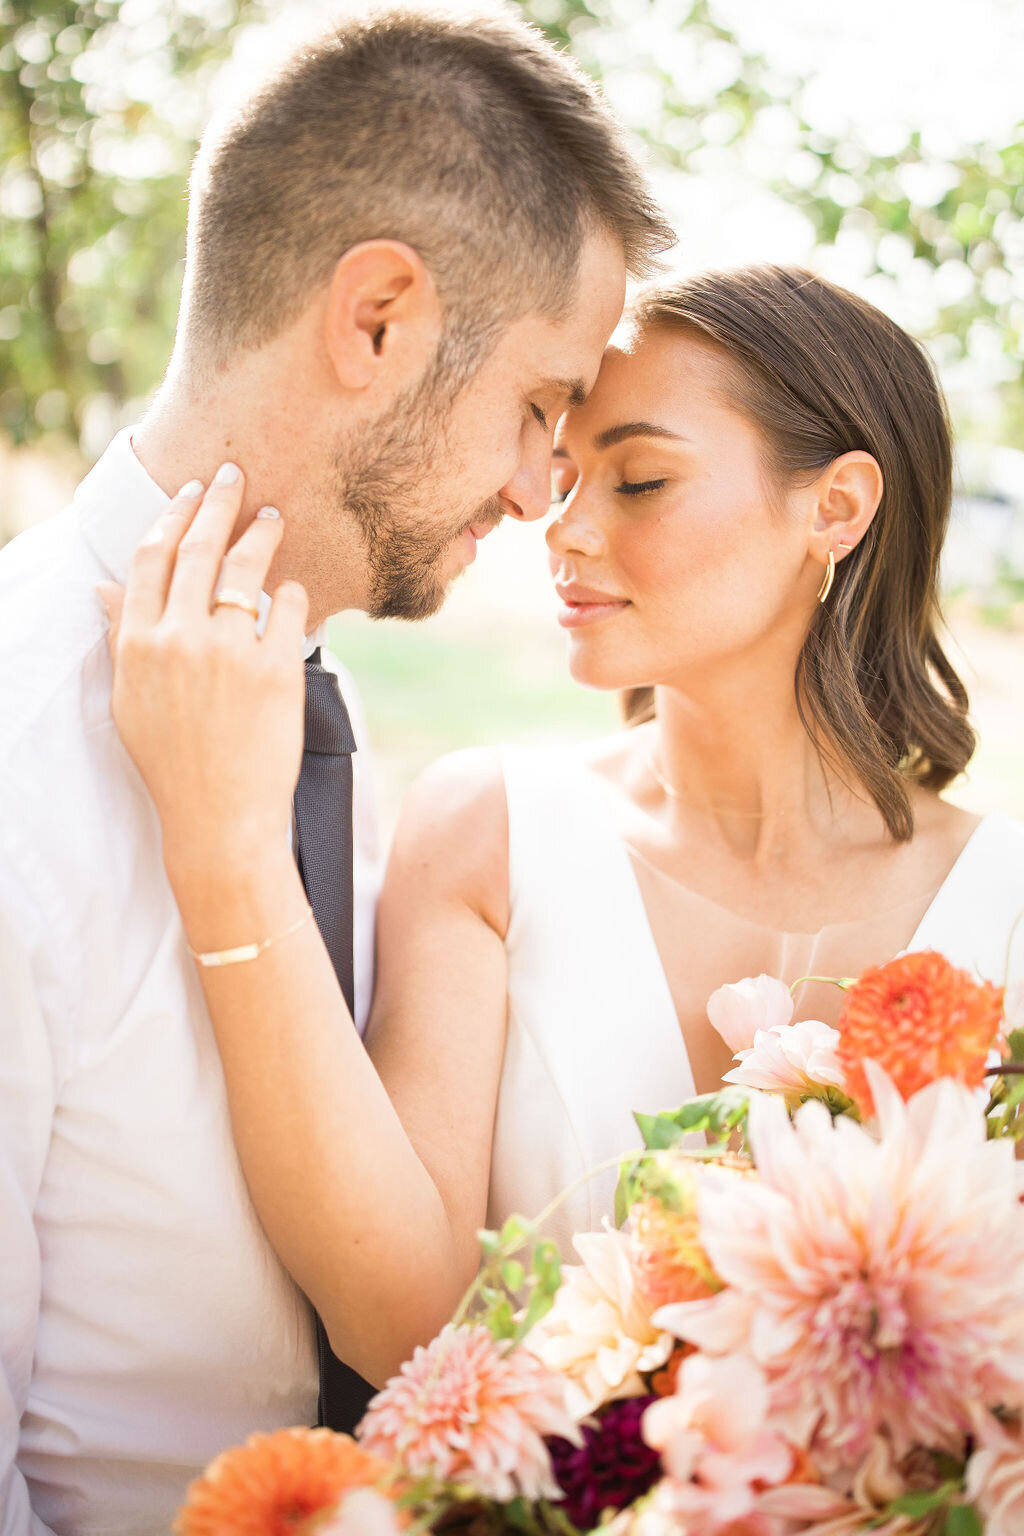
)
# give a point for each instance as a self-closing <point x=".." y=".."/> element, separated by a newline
<point x="227" y="474"/>
<point x="268" y="512"/>
<point x="193" y="488"/>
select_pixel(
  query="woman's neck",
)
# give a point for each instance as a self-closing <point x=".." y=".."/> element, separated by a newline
<point x="738" y="759"/>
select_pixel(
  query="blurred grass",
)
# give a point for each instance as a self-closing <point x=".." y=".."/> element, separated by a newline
<point x="429" y="689"/>
<point x="455" y="690"/>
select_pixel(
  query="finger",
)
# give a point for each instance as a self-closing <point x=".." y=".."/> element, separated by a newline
<point x="111" y="595"/>
<point x="203" y="547"/>
<point x="286" y="626"/>
<point x="245" y="567"/>
<point x="153" y="562"/>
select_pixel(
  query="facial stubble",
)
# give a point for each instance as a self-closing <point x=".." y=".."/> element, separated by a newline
<point x="382" y="487"/>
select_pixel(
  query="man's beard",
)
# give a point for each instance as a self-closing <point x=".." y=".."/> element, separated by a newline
<point x="382" y="488"/>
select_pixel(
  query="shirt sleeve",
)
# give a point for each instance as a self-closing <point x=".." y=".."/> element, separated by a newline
<point x="27" y="1100"/>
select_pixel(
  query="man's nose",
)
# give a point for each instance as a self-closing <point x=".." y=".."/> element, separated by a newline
<point x="527" y="495"/>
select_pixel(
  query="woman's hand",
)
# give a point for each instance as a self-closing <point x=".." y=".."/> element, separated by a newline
<point x="211" y="714"/>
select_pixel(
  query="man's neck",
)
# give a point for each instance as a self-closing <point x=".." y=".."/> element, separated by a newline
<point x="187" y="434"/>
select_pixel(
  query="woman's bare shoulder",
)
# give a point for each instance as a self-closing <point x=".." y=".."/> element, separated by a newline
<point x="452" y="834"/>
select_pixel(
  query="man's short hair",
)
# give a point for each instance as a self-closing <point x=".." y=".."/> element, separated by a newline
<point x="471" y="139"/>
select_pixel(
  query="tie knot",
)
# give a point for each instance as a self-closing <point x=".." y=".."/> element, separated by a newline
<point x="328" y="728"/>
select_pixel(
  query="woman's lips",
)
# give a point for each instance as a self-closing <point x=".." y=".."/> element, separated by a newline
<point x="586" y="605"/>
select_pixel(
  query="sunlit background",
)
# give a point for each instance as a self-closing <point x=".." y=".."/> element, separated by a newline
<point x="880" y="143"/>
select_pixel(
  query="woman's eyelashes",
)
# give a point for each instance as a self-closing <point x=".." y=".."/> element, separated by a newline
<point x="639" y="487"/>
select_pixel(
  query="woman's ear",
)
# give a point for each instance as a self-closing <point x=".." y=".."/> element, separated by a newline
<point x="382" y="318"/>
<point x="847" y="496"/>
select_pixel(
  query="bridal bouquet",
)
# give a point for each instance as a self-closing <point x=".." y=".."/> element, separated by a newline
<point x="808" y="1322"/>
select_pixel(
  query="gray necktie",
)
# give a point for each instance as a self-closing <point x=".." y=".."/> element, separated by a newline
<point x="323" y="818"/>
<point x="323" y="845"/>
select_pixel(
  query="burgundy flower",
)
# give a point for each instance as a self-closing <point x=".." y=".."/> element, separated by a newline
<point x="611" y="1468"/>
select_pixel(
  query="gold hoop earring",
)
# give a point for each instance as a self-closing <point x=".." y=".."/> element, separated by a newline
<point x="830" y="576"/>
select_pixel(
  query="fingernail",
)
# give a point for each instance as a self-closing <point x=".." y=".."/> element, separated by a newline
<point x="193" y="488"/>
<point x="270" y="512"/>
<point x="227" y="474"/>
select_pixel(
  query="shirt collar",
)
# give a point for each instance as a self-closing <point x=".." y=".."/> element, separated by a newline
<point x="117" y="504"/>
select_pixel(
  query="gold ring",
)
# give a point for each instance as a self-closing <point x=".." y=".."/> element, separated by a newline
<point x="231" y="597"/>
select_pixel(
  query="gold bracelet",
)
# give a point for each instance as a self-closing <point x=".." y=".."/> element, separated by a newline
<point x="215" y="957"/>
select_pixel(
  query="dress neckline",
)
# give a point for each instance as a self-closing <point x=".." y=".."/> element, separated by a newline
<point x="920" y="899"/>
<point x="634" y="905"/>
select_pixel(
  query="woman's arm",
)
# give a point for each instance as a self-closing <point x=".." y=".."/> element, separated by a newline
<point x="371" y="1188"/>
<point x="375" y="1220"/>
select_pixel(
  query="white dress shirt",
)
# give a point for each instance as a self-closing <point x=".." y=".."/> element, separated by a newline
<point x="145" y="1322"/>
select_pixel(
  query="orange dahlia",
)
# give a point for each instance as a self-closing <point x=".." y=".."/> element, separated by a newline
<point x="666" y="1257"/>
<point x="663" y="1382"/>
<point x="274" y="1483"/>
<point x="920" y="1019"/>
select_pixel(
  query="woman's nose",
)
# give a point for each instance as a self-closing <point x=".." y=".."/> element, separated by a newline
<point x="574" y="532"/>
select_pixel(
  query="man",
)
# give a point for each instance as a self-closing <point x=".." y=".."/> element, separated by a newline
<point x="405" y="256"/>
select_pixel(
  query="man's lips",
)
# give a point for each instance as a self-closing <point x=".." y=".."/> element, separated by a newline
<point x="471" y="536"/>
<point x="586" y="605"/>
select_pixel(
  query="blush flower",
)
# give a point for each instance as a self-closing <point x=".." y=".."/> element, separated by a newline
<point x="275" y="1483"/>
<point x="737" y="1011"/>
<point x="715" y="1443"/>
<point x="362" y="1513"/>
<point x="995" y="1479"/>
<point x="797" y="1060"/>
<point x="875" y="1281"/>
<point x="599" y="1335"/>
<point x="465" y="1412"/>
<point x="822" y="1511"/>
<point x="920" y="1019"/>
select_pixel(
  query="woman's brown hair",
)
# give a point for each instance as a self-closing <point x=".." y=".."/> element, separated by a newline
<point x="821" y="372"/>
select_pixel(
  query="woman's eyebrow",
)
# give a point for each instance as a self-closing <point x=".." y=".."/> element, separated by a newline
<point x="612" y="435"/>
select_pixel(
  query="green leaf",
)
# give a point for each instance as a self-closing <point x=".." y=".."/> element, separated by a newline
<point x="719" y="1113"/>
<point x="513" y="1274"/>
<point x="515" y="1234"/>
<point x="963" y="1520"/>
<point x="1016" y="1043"/>
<point x="547" y="1263"/>
<point x="658" y="1131"/>
<point x="917" y="1504"/>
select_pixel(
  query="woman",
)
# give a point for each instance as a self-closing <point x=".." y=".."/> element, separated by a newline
<point x="754" y="500"/>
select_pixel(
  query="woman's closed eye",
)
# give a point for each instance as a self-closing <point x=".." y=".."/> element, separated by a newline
<point x="640" y="487"/>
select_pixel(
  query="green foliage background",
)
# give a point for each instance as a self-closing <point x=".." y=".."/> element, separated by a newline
<point x="101" y="105"/>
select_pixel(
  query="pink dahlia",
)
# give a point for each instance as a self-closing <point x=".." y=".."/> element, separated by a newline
<point x="875" y="1281"/>
<point x="716" y="1444"/>
<point x="464" y="1411"/>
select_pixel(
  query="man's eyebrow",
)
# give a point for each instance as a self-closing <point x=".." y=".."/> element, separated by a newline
<point x="612" y="435"/>
<point x="574" y="390"/>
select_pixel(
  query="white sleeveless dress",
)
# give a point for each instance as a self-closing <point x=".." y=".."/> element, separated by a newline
<point x="592" y="1031"/>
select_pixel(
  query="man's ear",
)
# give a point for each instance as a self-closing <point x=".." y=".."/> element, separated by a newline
<point x="383" y="316"/>
<point x="847" y="496"/>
